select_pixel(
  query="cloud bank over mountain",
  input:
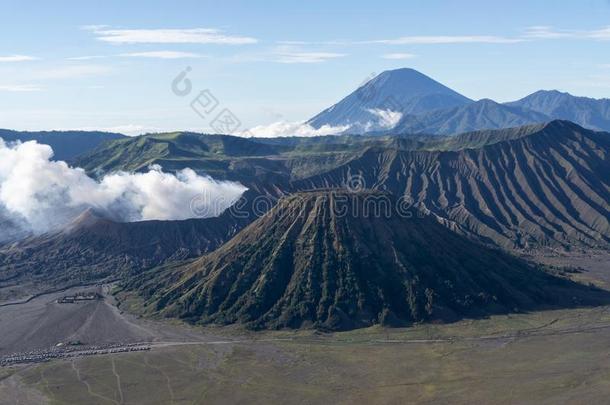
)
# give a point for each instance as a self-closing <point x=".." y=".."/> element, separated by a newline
<point x="284" y="128"/>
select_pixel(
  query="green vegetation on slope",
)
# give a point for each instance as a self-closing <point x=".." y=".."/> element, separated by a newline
<point x="230" y="157"/>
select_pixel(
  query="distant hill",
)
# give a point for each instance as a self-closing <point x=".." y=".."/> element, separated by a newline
<point x="483" y="114"/>
<point x="67" y="145"/>
<point x="308" y="263"/>
<point x="251" y="161"/>
<point x="137" y="153"/>
<point x="587" y="112"/>
<point x="404" y="91"/>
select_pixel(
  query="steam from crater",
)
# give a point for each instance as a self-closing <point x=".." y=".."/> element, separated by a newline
<point x="38" y="195"/>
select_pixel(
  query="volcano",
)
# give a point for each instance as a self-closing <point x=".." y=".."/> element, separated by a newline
<point x="385" y="98"/>
<point x="339" y="260"/>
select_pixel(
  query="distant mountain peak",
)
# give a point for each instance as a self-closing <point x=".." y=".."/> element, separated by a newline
<point x="405" y="91"/>
<point x="552" y="91"/>
<point x="403" y="70"/>
<point x="562" y="124"/>
<point x="401" y="74"/>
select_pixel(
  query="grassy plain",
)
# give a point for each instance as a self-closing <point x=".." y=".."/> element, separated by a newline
<point x="543" y="357"/>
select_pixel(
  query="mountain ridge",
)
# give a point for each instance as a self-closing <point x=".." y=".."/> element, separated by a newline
<point x="479" y="115"/>
<point x="406" y="101"/>
<point x="550" y="187"/>
<point x="585" y="111"/>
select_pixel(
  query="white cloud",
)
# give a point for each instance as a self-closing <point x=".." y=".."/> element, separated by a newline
<point x="446" y="39"/>
<point x="291" y="43"/>
<point x="163" y="55"/>
<point x="20" y="88"/>
<point x="146" y="54"/>
<point x="415" y="40"/>
<point x="283" y="128"/>
<point x="398" y="56"/>
<point x="87" y="57"/>
<point x="387" y="118"/>
<point x="16" y="58"/>
<point x="547" y="32"/>
<point x="290" y="54"/>
<point x="531" y="33"/>
<point x="323" y="43"/>
<point x="45" y="194"/>
<point x="93" y="27"/>
<point x="73" y="72"/>
<point x="601" y="34"/>
<point x="168" y="36"/>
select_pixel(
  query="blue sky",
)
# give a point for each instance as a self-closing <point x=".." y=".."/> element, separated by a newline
<point x="110" y="65"/>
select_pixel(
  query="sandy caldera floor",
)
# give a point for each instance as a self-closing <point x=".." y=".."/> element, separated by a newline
<point x="41" y="323"/>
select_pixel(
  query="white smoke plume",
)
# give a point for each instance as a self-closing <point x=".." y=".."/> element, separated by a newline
<point x="38" y="195"/>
